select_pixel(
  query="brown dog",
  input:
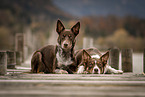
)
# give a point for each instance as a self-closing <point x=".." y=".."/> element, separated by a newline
<point x="57" y="58"/>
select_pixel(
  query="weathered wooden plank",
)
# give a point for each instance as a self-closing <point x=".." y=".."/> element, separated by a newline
<point x="125" y="76"/>
<point x="61" y="91"/>
<point x="69" y="94"/>
<point x="127" y="60"/>
<point x="76" y="77"/>
<point x="11" y="59"/>
<point x="114" y="58"/>
<point x="75" y="82"/>
<point x="40" y="93"/>
<point x="17" y="84"/>
<point x="144" y="61"/>
<point x="3" y="63"/>
<point x="18" y="58"/>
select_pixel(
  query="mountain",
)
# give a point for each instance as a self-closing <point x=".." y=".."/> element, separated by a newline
<point x="102" y="7"/>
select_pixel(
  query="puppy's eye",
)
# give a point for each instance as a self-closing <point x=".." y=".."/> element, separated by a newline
<point x="90" y="64"/>
<point x="100" y="64"/>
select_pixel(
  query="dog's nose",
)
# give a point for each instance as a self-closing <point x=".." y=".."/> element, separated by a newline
<point x="65" y="45"/>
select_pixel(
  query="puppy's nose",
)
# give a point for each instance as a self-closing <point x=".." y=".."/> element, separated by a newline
<point x="96" y="70"/>
<point x="65" y="45"/>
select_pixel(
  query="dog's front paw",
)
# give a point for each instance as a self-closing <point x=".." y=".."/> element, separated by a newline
<point x="118" y="72"/>
<point x="63" y="72"/>
<point x="80" y="69"/>
<point x="59" y="71"/>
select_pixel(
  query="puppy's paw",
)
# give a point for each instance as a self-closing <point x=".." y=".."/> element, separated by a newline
<point x="63" y="72"/>
<point x="85" y="72"/>
<point x="118" y="72"/>
<point x="80" y="69"/>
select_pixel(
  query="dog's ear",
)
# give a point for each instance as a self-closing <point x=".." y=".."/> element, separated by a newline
<point x="60" y="27"/>
<point x="105" y="57"/>
<point x="75" y="28"/>
<point x="86" y="55"/>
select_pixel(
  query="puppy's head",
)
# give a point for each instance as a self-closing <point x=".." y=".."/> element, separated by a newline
<point x="101" y="63"/>
<point x="66" y="38"/>
<point x="87" y="62"/>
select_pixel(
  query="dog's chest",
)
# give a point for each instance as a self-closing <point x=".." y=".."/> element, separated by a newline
<point x="63" y="60"/>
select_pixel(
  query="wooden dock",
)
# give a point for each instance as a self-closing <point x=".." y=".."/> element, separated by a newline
<point x="17" y="84"/>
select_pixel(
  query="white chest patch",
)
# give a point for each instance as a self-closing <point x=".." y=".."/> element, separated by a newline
<point x="63" y="61"/>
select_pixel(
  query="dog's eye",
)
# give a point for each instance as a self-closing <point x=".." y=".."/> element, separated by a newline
<point x="64" y="35"/>
<point x="70" y="36"/>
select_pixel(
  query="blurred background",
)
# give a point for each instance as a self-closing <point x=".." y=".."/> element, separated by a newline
<point x="26" y="25"/>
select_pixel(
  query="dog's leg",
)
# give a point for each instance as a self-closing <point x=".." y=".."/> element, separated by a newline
<point x="109" y="69"/>
<point x="60" y="70"/>
<point x="36" y="62"/>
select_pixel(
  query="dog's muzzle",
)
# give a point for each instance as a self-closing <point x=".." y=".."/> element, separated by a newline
<point x="66" y="44"/>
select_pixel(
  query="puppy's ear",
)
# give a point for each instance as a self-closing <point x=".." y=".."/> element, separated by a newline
<point x="105" y="57"/>
<point x="75" y="28"/>
<point x="59" y="27"/>
<point x="86" y="55"/>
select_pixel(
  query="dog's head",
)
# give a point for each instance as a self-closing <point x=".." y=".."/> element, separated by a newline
<point x="101" y="63"/>
<point x="66" y="38"/>
<point x="87" y="62"/>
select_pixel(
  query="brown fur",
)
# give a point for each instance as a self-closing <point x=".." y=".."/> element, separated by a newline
<point x="52" y="57"/>
<point x="43" y="60"/>
<point x="83" y="57"/>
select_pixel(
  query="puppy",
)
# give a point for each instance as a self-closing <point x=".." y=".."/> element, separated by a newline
<point x="92" y="61"/>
